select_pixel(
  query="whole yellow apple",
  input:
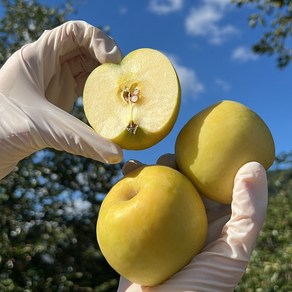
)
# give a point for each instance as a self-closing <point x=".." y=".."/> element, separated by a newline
<point x="151" y="224"/>
<point x="216" y="142"/>
<point x="134" y="103"/>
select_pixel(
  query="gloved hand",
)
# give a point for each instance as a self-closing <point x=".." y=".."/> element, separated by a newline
<point x="38" y="87"/>
<point x="231" y="238"/>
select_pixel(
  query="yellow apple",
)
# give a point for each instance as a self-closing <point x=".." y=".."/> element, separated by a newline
<point x="151" y="224"/>
<point x="135" y="103"/>
<point x="216" y="142"/>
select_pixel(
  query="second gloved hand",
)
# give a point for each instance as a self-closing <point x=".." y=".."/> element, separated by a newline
<point x="232" y="234"/>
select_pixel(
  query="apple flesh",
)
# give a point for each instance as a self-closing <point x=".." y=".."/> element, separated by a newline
<point x="216" y="142"/>
<point x="151" y="224"/>
<point x="135" y="103"/>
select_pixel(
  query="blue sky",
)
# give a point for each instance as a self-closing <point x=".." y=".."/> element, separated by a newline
<point x="209" y="43"/>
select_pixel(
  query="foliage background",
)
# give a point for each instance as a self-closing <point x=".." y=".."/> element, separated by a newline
<point x="270" y="267"/>
<point x="49" y="205"/>
<point x="276" y="15"/>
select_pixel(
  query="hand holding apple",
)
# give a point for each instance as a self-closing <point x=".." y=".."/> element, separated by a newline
<point x="223" y="261"/>
<point x="153" y="222"/>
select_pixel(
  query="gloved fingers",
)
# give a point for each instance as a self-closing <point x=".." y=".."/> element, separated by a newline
<point x="215" y="227"/>
<point x="217" y="215"/>
<point x="86" y="38"/>
<point x="167" y="159"/>
<point x="69" y="82"/>
<point x="126" y="285"/>
<point x="75" y="45"/>
<point x="131" y="165"/>
<point x="72" y="39"/>
<point x="248" y="210"/>
<point x="222" y="263"/>
<point x="215" y="210"/>
<point x="15" y="135"/>
<point x="62" y="131"/>
<point x="80" y="67"/>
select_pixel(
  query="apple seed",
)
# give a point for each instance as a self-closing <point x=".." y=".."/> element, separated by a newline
<point x="136" y="91"/>
<point x="131" y="97"/>
<point x="134" y="98"/>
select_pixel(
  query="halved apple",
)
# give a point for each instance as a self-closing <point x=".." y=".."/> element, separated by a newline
<point x="135" y="103"/>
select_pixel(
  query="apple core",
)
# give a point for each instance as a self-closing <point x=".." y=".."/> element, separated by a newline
<point x="131" y="96"/>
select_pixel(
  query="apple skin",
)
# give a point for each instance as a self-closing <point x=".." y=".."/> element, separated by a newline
<point x="144" y="139"/>
<point x="151" y="224"/>
<point x="216" y="142"/>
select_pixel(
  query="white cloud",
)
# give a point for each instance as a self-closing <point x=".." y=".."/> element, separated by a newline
<point x="224" y="85"/>
<point x="220" y="3"/>
<point x="123" y="10"/>
<point x="165" y="6"/>
<point x="189" y="82"/>
<point x="243" y="54"/>
<point x="205" y="20"/>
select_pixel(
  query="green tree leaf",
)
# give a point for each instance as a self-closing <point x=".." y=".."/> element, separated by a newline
<point x="276" y="16"/>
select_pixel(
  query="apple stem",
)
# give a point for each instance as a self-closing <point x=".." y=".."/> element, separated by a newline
<point x="132" y="128"/>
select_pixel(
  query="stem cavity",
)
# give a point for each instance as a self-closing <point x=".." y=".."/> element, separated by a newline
<point x="131" y="95"/>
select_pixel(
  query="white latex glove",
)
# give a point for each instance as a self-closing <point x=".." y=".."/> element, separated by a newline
<point x="222" y="263"/>
<point x="38" y="87"/>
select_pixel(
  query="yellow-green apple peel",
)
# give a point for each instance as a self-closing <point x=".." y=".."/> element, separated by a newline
<point x="151" y="224"/>
<point x="216" y="142"/>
